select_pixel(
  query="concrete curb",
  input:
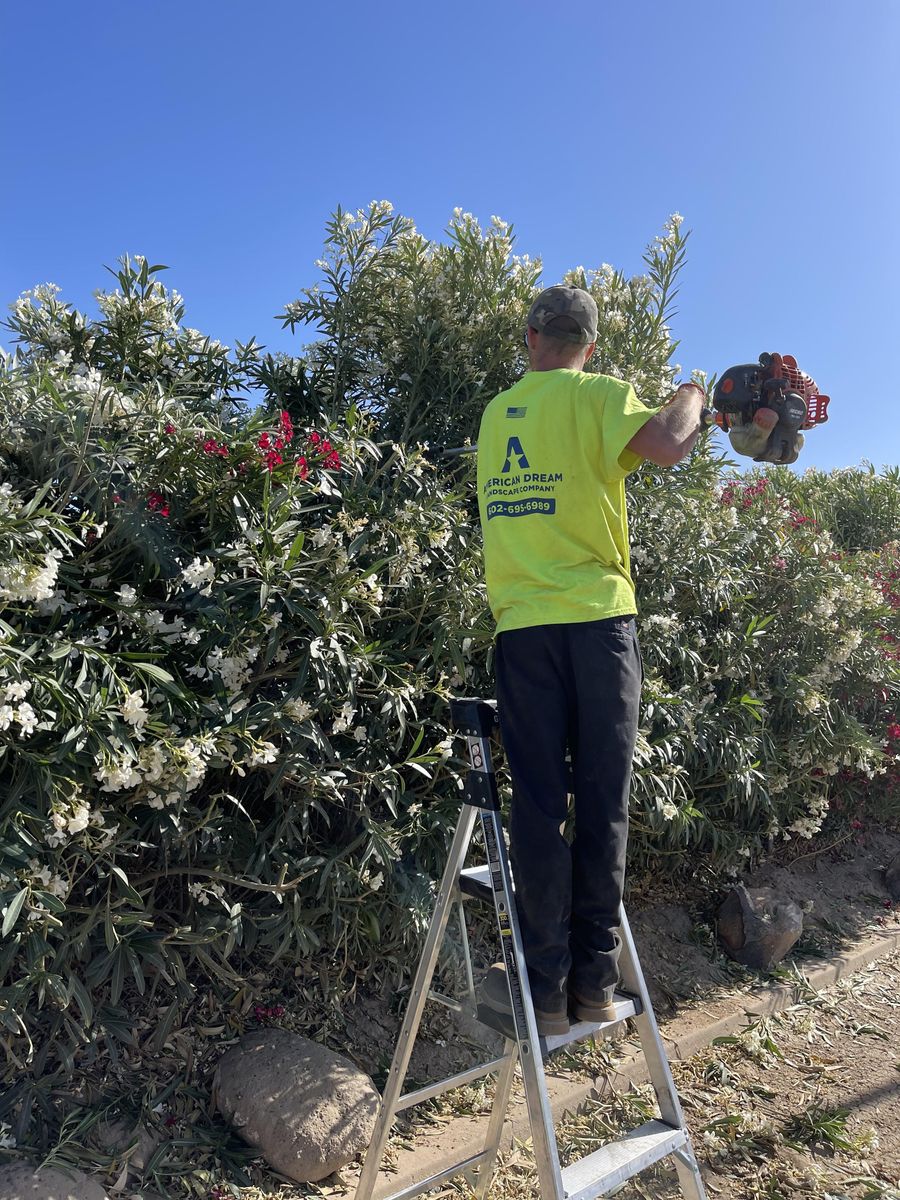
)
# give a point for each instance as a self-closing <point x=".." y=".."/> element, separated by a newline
<point x="685" y="1035"/>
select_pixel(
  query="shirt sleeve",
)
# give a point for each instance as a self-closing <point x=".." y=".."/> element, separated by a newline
<point x="621" y="415"/>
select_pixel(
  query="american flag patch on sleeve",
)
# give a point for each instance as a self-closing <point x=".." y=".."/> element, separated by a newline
<point x="516" y="412"/>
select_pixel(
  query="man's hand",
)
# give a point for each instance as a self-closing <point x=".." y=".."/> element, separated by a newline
<point x="751" y="439"/>
<point x="668" y="436"/>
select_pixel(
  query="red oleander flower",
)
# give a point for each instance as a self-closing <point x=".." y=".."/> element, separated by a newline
<point x="169" y="428"/>
<point x="287" y="426"/>
<point x="302" y="467"/>
<point x="332" y="461"/>
<point x="264" y="441"/>
<point x="272" y="460"/>
<point x="893" y="732"/>
<point x="314" y="439"/>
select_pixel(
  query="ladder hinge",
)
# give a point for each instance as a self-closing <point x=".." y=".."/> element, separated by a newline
<point x="474" y="717"/>
<point x="481" y="790"/>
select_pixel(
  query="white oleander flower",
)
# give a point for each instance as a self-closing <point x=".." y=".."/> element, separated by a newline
<point x="267" y="752"/>
<point x="27" y="718"/>
<point x="298" y="710"/>
<point x="127" y="596"/>
<point x="133" y="711"/>
<point x="79" y="820"/>
<point x="199" y="574"/>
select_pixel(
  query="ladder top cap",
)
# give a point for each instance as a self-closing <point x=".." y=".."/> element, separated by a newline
<point x="473" y="716"/>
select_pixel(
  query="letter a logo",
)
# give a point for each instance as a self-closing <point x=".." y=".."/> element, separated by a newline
<point x="514" y="448"/>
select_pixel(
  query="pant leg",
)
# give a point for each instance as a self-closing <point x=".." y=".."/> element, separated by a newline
<point x="534" y="694"/>
<point x="606" y="663"/>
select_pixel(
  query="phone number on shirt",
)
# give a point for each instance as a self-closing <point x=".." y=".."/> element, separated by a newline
<point x="520" y="508"/>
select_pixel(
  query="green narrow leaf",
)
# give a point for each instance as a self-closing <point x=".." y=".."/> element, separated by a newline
<point x="118" y="977"/>
<point x="154" y="671"/>
<point x="133" y="896"/>
<point x="12" y="912"/>
<point x="295" y="550"/>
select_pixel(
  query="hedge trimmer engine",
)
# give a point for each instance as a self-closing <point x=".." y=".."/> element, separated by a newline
<point x="763" y="408"/>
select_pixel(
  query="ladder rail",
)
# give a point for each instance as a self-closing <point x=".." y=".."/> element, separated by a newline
<point x="537" y="1100"/>
<point x="416" y="1005"/>
<point x="660" y="1071"/>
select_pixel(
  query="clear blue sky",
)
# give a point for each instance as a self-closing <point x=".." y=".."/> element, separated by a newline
<point x="217" y="136"/>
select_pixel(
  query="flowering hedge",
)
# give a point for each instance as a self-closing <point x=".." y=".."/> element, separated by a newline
<point x="228" y="634"/>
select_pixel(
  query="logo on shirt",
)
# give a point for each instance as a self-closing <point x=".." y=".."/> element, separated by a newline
<point x="514" y="451"/>
<point x="516" y="412"/>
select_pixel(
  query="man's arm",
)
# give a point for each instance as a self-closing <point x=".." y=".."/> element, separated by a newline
<point x="668" y="436"/>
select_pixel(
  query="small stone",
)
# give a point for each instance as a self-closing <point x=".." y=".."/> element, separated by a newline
<point x="892" y="877"/>
<point x="131" y="1142"/>
<point x="20" y="1181"/>
<point x="307" y="1109"/>
<point x="758" y="926"/>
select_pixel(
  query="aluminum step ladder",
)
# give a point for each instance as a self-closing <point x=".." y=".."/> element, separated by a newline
<point x="609" y="1167"/>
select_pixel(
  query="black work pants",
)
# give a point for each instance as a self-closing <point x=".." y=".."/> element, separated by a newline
<point x="569" y="688"/>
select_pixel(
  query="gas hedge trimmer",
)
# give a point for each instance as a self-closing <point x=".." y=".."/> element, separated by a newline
<point x="764" y="406"/>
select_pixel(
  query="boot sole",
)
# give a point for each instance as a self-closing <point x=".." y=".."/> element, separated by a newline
<point x="498" y="1000"/>
<point x="547" y="1026"/>
<point x="595" y="1014"/>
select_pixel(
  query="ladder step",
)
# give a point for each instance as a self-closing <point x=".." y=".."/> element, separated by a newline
<point x="485" y="1158"/>
<point x="626" y="1006"/>
<point x="617" y="1161"/>
<point x="476" y="882"/>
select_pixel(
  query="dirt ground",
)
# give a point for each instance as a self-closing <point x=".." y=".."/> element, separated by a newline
<point x="840" y="890"/>
<point x="806" y="1103"/>
<point x="803" y="1104"/>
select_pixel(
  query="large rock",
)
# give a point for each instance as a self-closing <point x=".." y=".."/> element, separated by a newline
<point x="20" y="1181"/>
<point x="307" y="1109"/>
<point x="758" y="926"/>
<point x="892" y="877"/>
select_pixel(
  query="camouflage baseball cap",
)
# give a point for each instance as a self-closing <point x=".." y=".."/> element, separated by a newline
<point x="562" y="301"/>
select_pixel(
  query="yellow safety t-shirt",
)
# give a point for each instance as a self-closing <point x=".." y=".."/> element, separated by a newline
<point x="552" y="462"/>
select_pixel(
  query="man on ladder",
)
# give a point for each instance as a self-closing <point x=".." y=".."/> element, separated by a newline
<point x="553" y="454"/>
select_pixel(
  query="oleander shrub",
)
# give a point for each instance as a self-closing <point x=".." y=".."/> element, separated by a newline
<point x="237" y="590"/>
<point x="771" y="668"/>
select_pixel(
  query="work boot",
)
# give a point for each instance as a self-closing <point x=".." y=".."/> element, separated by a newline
<point x="595" y="1009"/>
<point x="495" y="995"/>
